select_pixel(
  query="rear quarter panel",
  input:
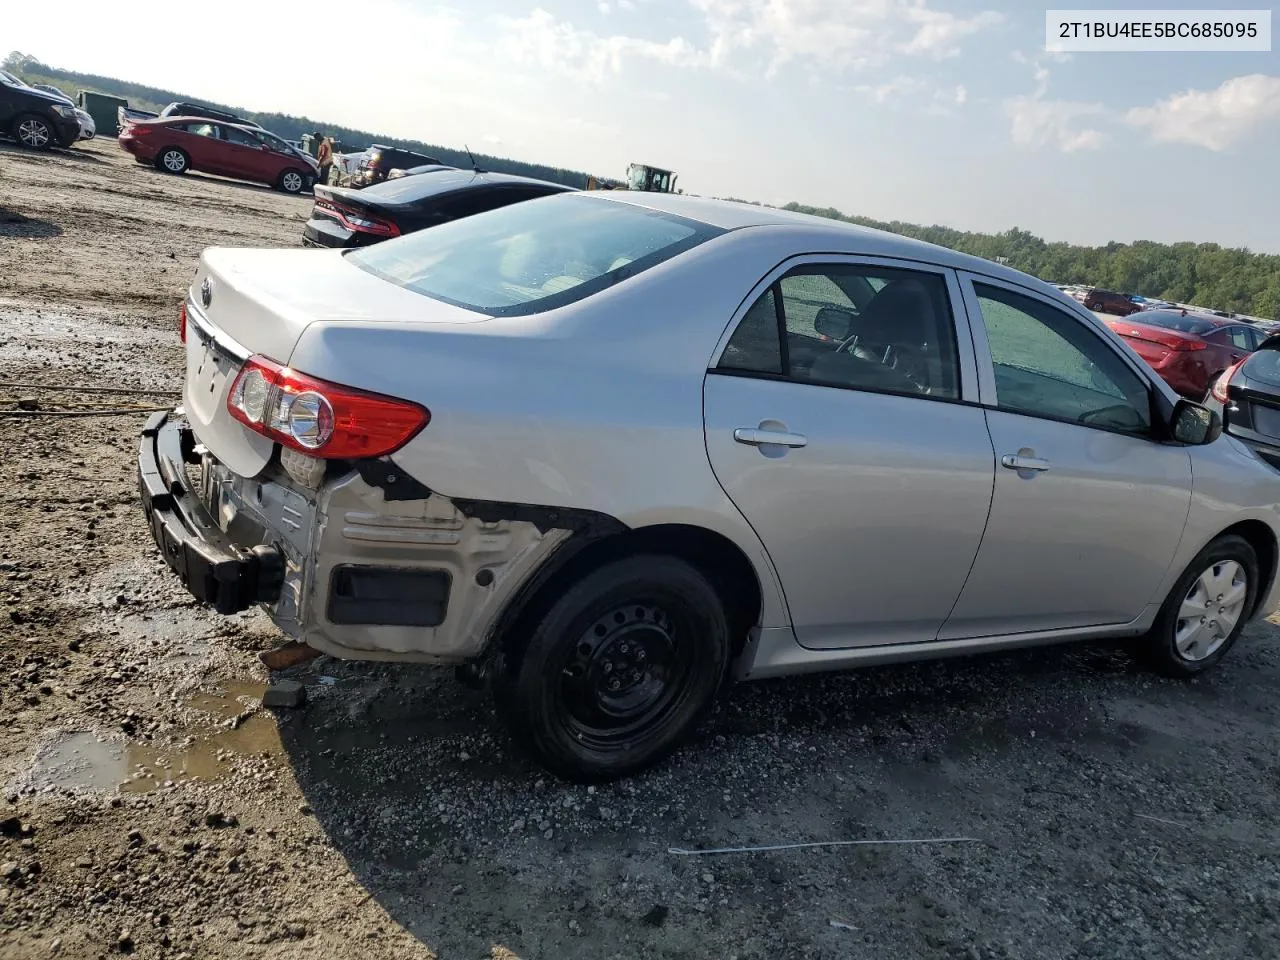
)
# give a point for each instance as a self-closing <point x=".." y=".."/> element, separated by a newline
<point x="597" y="405"/>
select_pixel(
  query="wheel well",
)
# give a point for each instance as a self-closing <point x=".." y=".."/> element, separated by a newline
<point x="720" y="560"/>
<point x="1263" y="541"/>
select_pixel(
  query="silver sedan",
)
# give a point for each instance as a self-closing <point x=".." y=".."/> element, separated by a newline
<point x="606" y="451"/>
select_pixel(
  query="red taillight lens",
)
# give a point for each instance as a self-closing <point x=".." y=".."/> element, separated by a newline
<point x="1182" y="346"/>
<point x="357" y="221"/>
<point x="182" y="322"/>
<point x="138" y="129"/>
<point x="1220" y="385"/>
<point x="320" y="418"/>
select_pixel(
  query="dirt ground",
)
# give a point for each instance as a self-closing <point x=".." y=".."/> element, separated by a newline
<point x="149" y="806"/>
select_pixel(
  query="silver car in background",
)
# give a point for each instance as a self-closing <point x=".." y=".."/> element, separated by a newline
<point x="609" y="450"/>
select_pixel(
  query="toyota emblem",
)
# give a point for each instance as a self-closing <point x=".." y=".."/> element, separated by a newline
<point x="206" y="291"/>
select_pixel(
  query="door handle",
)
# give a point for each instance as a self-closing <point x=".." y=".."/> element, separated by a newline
<point x="755" y="437"/>
<point x="1016" y="461"/>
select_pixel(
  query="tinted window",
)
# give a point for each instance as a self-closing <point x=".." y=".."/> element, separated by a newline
<point x="1175" y="321"/>
<point x="201" y="129"/>
<point x="236" y="135"/>
<point x="863" y="327"/>
<point x="1049" y="364"/>
<point x="528" y="257"/>
<point x="1242" y="337"/>
<point x="755" y="346"/>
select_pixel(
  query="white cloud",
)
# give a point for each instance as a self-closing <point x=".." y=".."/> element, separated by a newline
<point x="835" y="34"/>
<point x="1035" y="122"/>
<point x="541" y="41"/>
<point x="961" y="95"/>
<point x="1214" y="119"/>
<point x="894" y="89"/>
<point x="938" y="33"/>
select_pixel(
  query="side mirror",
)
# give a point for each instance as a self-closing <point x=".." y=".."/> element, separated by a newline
<point x="1194" y="424"/>
<point x="834" y="323"/>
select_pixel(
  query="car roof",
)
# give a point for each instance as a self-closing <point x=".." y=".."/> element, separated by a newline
<point x="1191" y="314"/>
<point x="405" y="189"/>
<point x="852" y="238"/>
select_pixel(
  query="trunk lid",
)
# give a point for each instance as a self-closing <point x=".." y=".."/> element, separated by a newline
<point x="1153" y="343"/>
<point x="245" y="302"/>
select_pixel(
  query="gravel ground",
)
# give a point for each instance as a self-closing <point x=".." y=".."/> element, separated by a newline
<point x="151" y="807"/>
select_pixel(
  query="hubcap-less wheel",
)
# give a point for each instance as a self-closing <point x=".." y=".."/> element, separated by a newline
<point x="624" y="674"/>
<point x="1210" y="610"/>
<point x="34" y="133"/>
<point x="174" y="160"/>
<point x="292" y="182"/>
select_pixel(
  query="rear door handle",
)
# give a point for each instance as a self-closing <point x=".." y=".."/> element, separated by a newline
<point x="755" y="437"/>
<point x="1015" y="461"/>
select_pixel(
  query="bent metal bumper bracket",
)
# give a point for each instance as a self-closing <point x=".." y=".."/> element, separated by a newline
<point x="214" y="569"/>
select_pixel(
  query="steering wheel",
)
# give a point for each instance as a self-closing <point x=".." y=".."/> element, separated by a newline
<point x="905" y="360"/>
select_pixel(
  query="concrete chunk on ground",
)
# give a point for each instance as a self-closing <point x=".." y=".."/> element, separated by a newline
<point x="285" y="693"/>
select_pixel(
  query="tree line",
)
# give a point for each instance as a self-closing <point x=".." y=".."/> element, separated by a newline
<point x="1206" y="274"/>
<point x="1223" y="278"/>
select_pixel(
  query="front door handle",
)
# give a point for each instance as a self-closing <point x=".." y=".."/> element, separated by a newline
<point x="755" y="437"/>
<point x="1016" y="461"/>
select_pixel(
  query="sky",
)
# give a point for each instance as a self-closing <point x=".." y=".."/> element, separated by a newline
<point x="928" y="111"/>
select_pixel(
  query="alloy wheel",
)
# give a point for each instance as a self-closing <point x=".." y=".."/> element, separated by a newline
<point x="1210" y="611"/>
<point x="175" y="161"/>
<point x="292" y="182"/>
<point x="33" y="133"/>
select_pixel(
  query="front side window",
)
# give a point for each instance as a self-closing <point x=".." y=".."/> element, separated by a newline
<point x="1049" y="364"/>
<point x="1242" y="337"/>
<point x="525" y="258"/>
<point x="861" y="327"/>
<point x="236" y="135"/>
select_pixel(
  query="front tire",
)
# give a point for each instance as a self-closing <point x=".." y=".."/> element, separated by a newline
<point x="1206" y="610"/>
<point x="33" y="132"/>
<point x="618" y="670"/>
<point x="172" y="160"/>
<point x="291" y="181"/>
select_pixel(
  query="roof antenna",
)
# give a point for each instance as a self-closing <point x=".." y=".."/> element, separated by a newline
<point x="474" y="166"/>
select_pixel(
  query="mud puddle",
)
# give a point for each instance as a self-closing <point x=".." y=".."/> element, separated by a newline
<point x="228" y="726"/>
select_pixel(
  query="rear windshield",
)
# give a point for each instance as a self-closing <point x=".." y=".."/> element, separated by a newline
<point x="1173" y="321"/>
<point x="532" y="256"/>
<point x="1264" y="365"/>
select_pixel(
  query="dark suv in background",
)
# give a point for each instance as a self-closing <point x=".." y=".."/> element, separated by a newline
<point x="381" y="160"/>
<point x="34" y="118"/>
<point x="1108" y="301"/>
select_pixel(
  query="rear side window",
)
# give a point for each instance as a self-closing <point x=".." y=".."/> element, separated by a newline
<point x="525" y="258"/>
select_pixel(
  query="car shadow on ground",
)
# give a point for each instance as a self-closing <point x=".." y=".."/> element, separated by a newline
<point x="456" y="833"/>
<point x="15" y="225"/>
<point x="16" y="151"/>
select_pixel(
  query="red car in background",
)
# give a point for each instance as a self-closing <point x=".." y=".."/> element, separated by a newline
<point x="1188" y="350"/>
<point x="179" y="144"/>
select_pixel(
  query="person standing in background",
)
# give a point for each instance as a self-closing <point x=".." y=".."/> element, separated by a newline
<point x="324" y="157"/>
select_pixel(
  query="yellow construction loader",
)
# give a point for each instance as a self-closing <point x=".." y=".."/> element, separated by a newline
<point x="640" y="176"/>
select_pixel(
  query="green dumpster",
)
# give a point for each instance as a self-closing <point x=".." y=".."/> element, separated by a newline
<point x="102" y="107"/>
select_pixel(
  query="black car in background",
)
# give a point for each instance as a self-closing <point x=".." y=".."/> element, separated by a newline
<point x="1247" y="397"/>
<point x="180" y="108"/>
<point x="34" y="118"/>
<point x="342" y="217"/>
<point x="415" y="171"/>
<point x="381" y="160"/>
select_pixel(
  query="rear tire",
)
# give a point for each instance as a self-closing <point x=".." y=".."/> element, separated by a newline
<point x="33" y="131"/>
<point x="618" y="671"/>
<point x="1206" y="610"/>
<point x="172" y="160"/>
<point x="292" y="181"/>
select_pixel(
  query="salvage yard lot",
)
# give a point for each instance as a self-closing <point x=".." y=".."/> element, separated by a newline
<point x="150" y="808"/>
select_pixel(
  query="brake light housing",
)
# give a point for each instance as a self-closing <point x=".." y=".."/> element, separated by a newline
<point x="319" y="418"/>
<point x="1219" y="389"/>
<point x="1183" y="346"/>
<point x="356" y="221"/>
<point x="182" y="322"/>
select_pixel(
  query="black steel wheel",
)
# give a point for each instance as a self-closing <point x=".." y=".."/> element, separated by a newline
<point x="618" y="670"/>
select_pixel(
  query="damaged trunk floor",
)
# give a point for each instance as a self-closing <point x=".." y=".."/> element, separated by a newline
<point x="152" y="806"/>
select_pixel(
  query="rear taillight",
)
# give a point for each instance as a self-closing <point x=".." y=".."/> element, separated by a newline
<point x="1182" y="346"/>
<point x="357" y="221"/>
<point x="137" y="130"/>
<point x="320" y="418"/>
<point x="1220" y="385"/>
<point x="182" y="322"/>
